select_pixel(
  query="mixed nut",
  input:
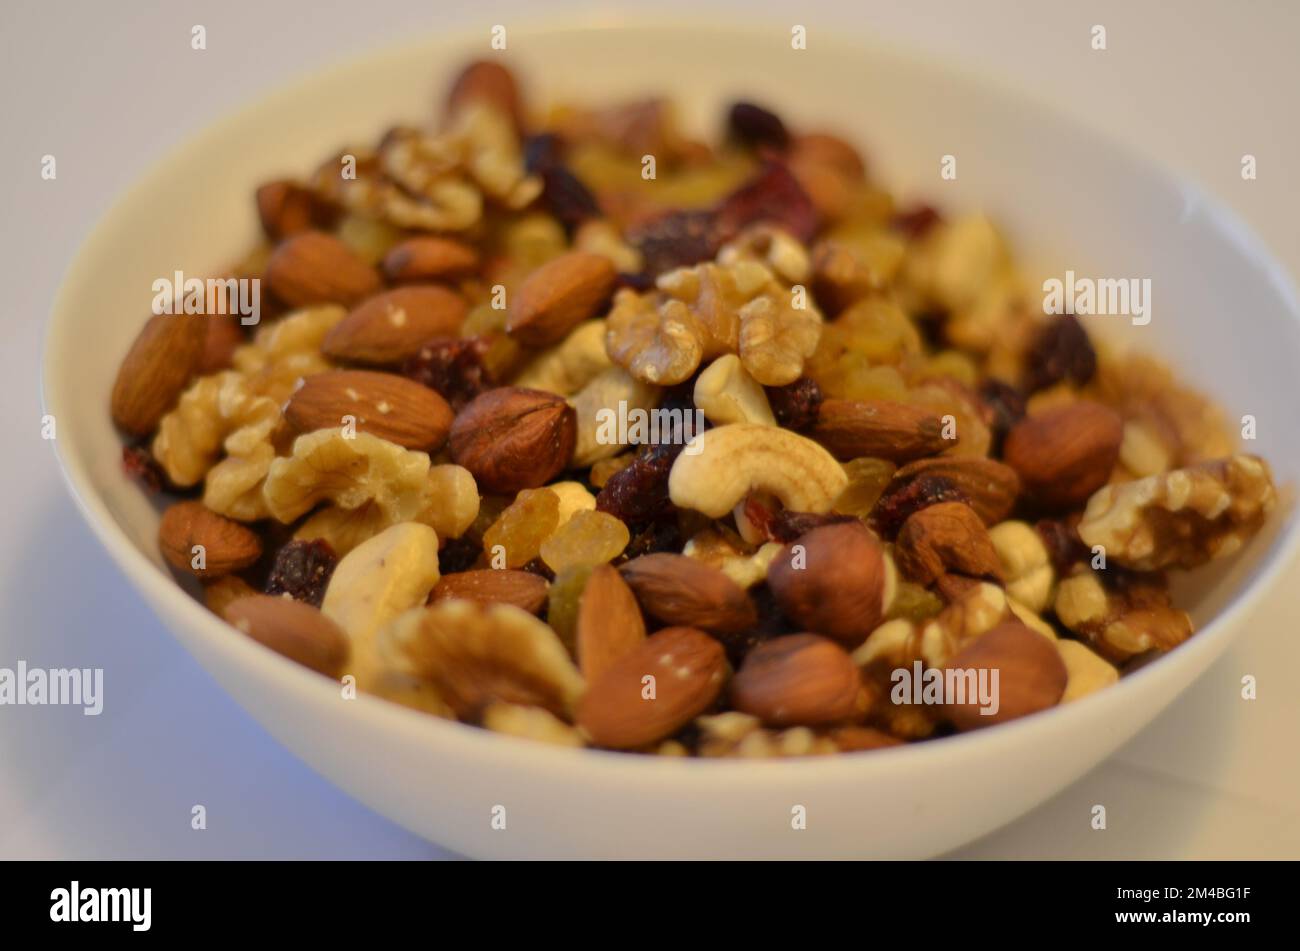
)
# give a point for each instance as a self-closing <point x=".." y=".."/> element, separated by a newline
<point x="404" y="475"/>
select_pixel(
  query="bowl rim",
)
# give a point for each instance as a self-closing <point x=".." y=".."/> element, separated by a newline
<point x="475" y="743"/>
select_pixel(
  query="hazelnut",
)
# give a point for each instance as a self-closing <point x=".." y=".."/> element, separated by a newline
<point x="511" y="438"/>
<point x="832" y="580"/>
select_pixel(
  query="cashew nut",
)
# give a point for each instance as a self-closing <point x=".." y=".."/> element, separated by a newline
<point x="1087" y="671"/>
<point x="374" y="583"/>
<point x="571" y="364"/>
<point x="726" y="393"/>
<point x="615" y="391"/>
<point x="1025" y="564"/>
<point x="721" y="466"/>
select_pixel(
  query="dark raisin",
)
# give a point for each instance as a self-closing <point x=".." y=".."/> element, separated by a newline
<point x="459" y="554"/>
<point x="900" y="500"/>
<point x="774" y="196"/>
<point x="541" y="152"/>
<point x="1060" y="352"/>
<point x="637" y="282"/>
<point x="1003" y="406"/>
<point x="1064" y="546"/>
<point x="753" y="126"/>
<point x="796" y="404"/>
<point x="302" y="570"/>
<point x="675" y="239"/>
<point x="661" y="535"/>
<point x="538" y="567"/>
<point x="786" y="526"/>
<point x="568" y="198"/>
<point x="639" y="492"/>
<point x="140" y="464"/>
<point x="915" y="222"/>
<point x="932" y="325"/>
<point x="453" y="366"/>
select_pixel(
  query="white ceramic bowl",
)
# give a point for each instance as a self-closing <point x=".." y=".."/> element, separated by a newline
<point x="1223" y="314"/>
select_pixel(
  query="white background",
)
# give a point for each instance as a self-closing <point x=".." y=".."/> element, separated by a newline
<point x="109" y="87"/>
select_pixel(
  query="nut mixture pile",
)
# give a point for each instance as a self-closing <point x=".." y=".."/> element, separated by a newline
<point x="399" y="476"/>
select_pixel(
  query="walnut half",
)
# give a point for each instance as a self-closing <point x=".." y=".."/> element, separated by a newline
<point x="1182" y="518"/>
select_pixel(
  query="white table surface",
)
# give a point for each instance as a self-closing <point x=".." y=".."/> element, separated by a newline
<point x="108" y="87"/>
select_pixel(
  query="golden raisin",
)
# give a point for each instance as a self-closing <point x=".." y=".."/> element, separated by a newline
<point x="867" y="480"/>
<point x="562" y="603"/>
<point x="516" y="537"/>
<point x="588" y="538"/>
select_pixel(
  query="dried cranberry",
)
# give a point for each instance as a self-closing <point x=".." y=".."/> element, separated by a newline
<point x="1060" y="352"/>
<point x="752" y="125"/>
<point x="139" y="464"/>
<point x="796" y="404"/>
<point x="302" y="570"/>
<point x="774" y="196"/>
<point x="675" y="239"/>
<point x="915" y="222"/>
<point x="453" y="366"/>
<point x="1003" y="405"/>
<point x="900" y="500"/>
<point x="786" y="526"/>
<point x="459" y="554"/>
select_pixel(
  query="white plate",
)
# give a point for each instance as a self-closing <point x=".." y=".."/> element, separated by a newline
<point x="1224" y="315"/>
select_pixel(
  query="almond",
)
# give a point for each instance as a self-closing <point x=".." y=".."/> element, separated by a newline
<point x="558" y="296"/>
<point x="943" y="538"/>
<point x="523" y="589"/>
<point x="609" y="622"/>
<point x="681" y="590"/>
<point x="285" y="209"/>
<point x="313" y="267"/>
<point x="428" y="258"/>
<point x="800" y="680"/>
<point x="1030" y="675"/>
<point x="161" y="361"/>
<point x="512" y="438"/>
<point x="851" y="429"/>
<point x="1065" y="453"/>
<point x="625" y="710"/>
<point x="487" y="82"/>
<point x="986" y="485"/>
<point x="832" y="580"/>
<point x="224" y="335"/>
<point x="226" y="545"/>
<point x="384" y="404"/>
<point x="391" y="327"/>
<point x="297" y="630"/>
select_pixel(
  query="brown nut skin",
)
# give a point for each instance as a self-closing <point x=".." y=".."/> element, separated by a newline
<point x="840" y="589"/>
<point x="512" y="438"/>
<point x="882" y="429"/>
<point x="488" y="82"/>
<point x="558" y="296"/>
<point x="676" y="589"/>
<point x="1066" y="453"/>
<point x="165" y="354"/>
<point x="523" y="589"/>
<point x="689" y="670"/>
<point x="391" y="327"/>
<point x="1031" y="675"/>
<point x="383" y="404"/>
<point x="313" y="267"/>
<point x="800" y="680"/>
<point x="285" y="208"/>
<point x="428" y="258"/>
<point x="609" y="622"/>
<point x="292" y="628"/>
<point x="227" y="545"/>
<point x="943" y="538"/>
